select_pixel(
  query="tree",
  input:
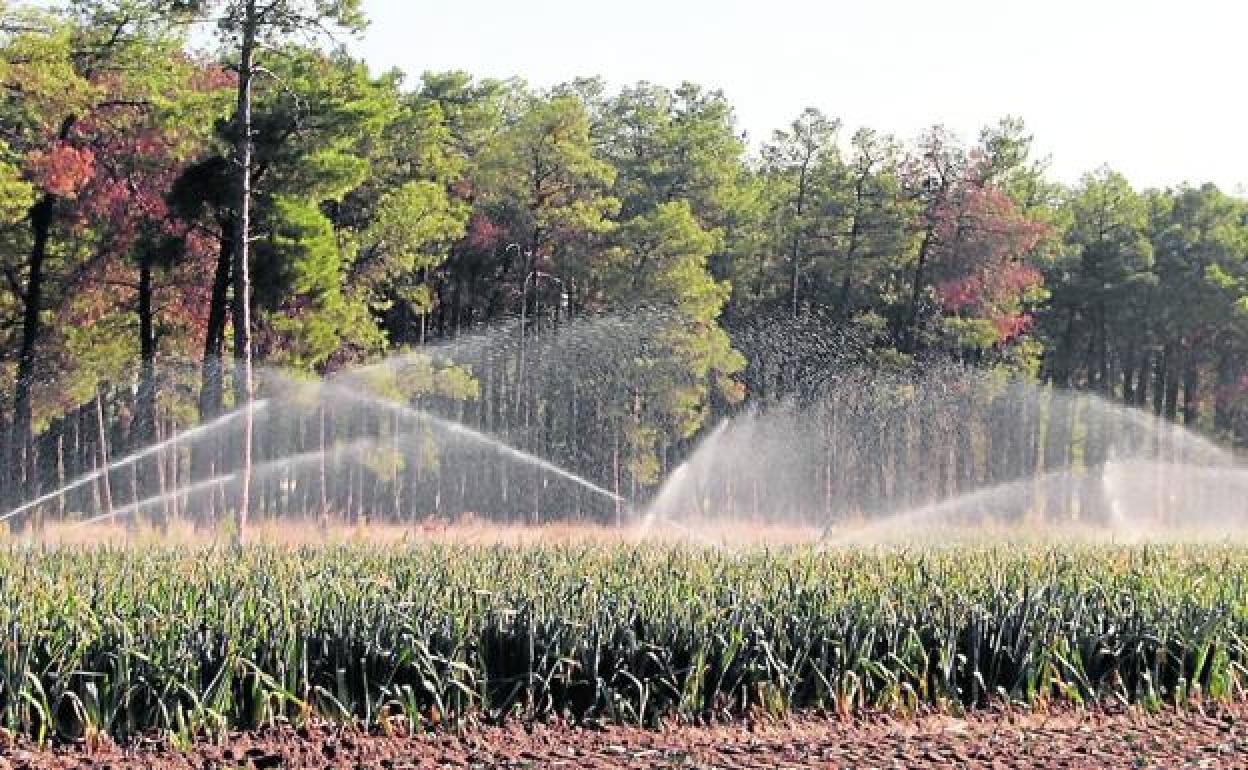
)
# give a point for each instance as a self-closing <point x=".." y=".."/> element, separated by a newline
<point x="661" y="261"/>
<point x="974" y="245"/>
<point x="251" y="27"/>
<point x="411" y="216"/>
<point x="544" y="164"/>
<point x="1108" y="293"/>
<point x="866" y="216"/>
<point x="74" y="84"/>
<point x="672" y="145"/>
<point x="1200" y="246"/>
<point x="795" y="157"/>
<point x="933" y="175"/>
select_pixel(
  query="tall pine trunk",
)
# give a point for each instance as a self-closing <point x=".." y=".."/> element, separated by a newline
<point x="146" y="434"/>
<point x="21" y="445"/>
<point x="243" y="388"/>
<point x="212" y="375"/>
<point x="206" y="455"/>
<point x="910" y="336"/>
<point x="21" y="442"/>
<point x="796" y="256"/>
<point x="844" y="304"/>
<point x="1224" y="401"/>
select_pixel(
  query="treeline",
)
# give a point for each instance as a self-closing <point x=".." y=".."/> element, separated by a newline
<point x="593" y="275"/>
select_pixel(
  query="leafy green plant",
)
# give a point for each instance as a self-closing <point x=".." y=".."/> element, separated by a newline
<point x="190" y="642"/>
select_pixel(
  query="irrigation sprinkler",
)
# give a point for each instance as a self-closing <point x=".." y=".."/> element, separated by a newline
<point x="534" y="277"/>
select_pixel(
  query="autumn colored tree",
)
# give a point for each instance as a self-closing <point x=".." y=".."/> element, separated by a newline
<point x="77" y="92"/>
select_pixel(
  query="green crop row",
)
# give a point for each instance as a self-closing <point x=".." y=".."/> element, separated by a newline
<point x="198" y="641"/>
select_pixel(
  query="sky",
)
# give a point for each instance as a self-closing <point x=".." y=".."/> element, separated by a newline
<point x="1153" y="89"/>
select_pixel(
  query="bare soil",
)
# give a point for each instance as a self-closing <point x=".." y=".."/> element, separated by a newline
<point x="1209" y="737"/>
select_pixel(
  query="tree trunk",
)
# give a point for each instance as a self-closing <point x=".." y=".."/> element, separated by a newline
<point x="21" y="459"/>
<point x="243" y="388"/>
<point x="1160" y="367"/>
<point x="106" y="487"/>
<point x="61" y="506"/>
<point x="21" y="464"/>
<point x="206" y="454"/>
<point x="1128" y="376"/>
<point x="212" y="376"/>
<point x="1143" y="377"/>
<point x="8" y="493"/>
<point x="1191" y="393"/>
<point x="1103" y="365"/>
<point x="851" y="251"/>
<point x="1224" y="399"/>
<point x="910" y="337"/>
<point x="797" y="238"/>
<point x="1173" y="367"/>
<point x="1057" y="434"/>
<point x="146" y="432"/>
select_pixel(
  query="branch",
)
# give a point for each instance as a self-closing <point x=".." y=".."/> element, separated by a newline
<point x="16" y="28"/>
<point x="197" y="226"/>
<point x="112" y="41"/>
<point x="274" y="50"/>
<point x="10" y="276"/>
<point x="141" y="104"/>
<point x="262" y="13"/>
<point x="262" y="70"/>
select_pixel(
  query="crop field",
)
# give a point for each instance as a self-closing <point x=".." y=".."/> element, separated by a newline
<point x="399" y="639"/>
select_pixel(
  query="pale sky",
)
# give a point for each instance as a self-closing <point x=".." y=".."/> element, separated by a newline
<point x="1157" y="90"/>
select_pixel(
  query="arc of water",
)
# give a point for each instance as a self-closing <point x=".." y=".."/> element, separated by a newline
<point x="463" y="431"/>
<point x="1209" y="451"/>
<point x="262" y="470"/>
<point x="658" y="511"/>
<point x="684" y="474"/>
<point x="650" y="520"/>
<point x="144" y="453"/>
<point x="503" y="335"/>
<point x="910" y="519"/>
<point x="464" y="348"/>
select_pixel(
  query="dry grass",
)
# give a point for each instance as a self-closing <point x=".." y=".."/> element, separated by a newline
<point x="297" y="532"/>
<point x="467" y="530"/>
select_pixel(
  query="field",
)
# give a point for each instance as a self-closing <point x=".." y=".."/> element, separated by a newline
<point x="189" y="643"/>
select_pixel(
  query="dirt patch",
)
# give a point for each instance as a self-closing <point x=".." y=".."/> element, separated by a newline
<point x="1213" y="737"/>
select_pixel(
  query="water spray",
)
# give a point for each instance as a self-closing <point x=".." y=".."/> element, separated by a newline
<point x="142" y="454"/>
<point x="285" y="463"/>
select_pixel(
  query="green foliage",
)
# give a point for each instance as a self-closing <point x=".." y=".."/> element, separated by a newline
<point x="412" y="226"/>
<point x="16" y="194"/>
<point x="327" y="317"/>
<point x="190" y="642"/>
<point x="672" y="145"/>
<point x="545" y="162"/>
<point x="281" y="19"/>
<point x="661" y="261"/>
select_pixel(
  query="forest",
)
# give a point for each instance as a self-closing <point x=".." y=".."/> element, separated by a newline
<point x="197" y="193"/>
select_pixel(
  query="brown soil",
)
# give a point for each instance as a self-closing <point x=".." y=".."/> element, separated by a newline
<point x="1213" y="737"/>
